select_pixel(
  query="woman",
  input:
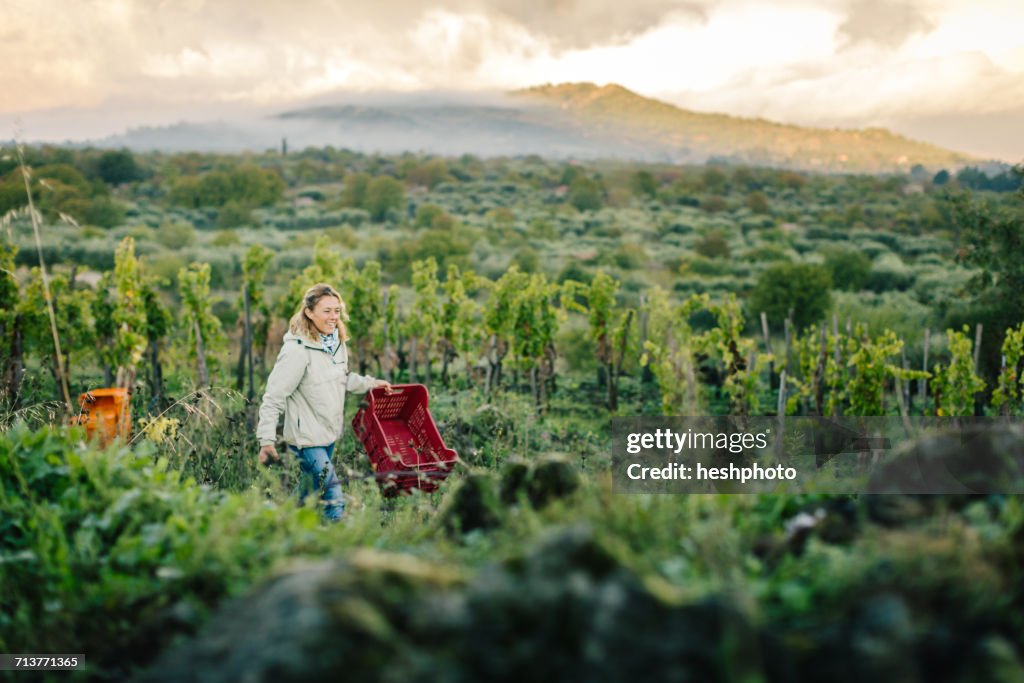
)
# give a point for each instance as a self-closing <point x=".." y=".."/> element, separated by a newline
<point x="308" y="383"/>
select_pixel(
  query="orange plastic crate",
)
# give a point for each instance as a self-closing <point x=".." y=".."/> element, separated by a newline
<point x="106" y="413"/>
<point x="405" y="449"/>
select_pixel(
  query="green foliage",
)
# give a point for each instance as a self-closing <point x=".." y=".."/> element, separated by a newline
<point x="71" y="309"/>
<point x="200" y="326"/>
<point x="432" y="216"/>
<point x="97" y="545"/>
<point x="429" y="174"/>
<point x="1008" y="397"/>
<point x="9" y="296"/>
<point x="849" y="268"/>
<point x="956" y="382"/>
<point x="758" y="202"/>
<point x="424" y="321"/>
<point x="176" y="235"/>
<point x="872" y="361"/>
<point x="536" y="319"/>
<point x="461" y="331"/>
<point x="669" y="352"/>
<point x="499" y="310"/>
<point x="117" y="167"/>
<point x="254" y="275"/>
<point x="353" y="194"/>
<point x="712" y="245"/>
<point x="246" y="185"/>
<point x="992" y="240"/>
<point x="121" y="321"/>
<point x="384" y="194"/>
<point x="328" y="266"/>
<point x="725" y="342"/>
<point x="234" y="214"/>
<point x="362" y="291"/>
<point x="586" y="194"/>
<point x="804" y="288"/>
<point x="642" y="184"/>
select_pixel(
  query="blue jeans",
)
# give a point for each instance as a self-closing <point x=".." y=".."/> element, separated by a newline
<point x="318" y="475"/>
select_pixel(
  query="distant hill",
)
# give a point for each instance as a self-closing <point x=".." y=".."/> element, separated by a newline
<point x="570" y="120"/>
<point x="626" y="118"/>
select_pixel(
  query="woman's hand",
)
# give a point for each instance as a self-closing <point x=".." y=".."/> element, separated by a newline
<point x="268" y="455"/>
<point x="383" y="384"/>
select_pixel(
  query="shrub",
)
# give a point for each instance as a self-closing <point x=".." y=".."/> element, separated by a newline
<point x="712" y="245"/>
<point x="889" y="273"/>
<point x="806" y="288"/>
<point x="586" y="194"/>
<point x="384" y="194"/>
<point x="714" y="204"/>
<point x="176" y="235"/>
<point x="116" y="167"/>
<point x="226" y="238"/>
<point x="849" y="268"/>
<point x="758" y="203"/>
<point x="99" y="546"/>
<point x="233" y="215"/>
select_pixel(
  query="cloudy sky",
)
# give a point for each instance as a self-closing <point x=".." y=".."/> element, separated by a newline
<point x="950" y="71"/>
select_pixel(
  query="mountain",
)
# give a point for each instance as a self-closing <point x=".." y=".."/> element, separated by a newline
<point x="615" y="113"/>
<point x="579" y="120"/>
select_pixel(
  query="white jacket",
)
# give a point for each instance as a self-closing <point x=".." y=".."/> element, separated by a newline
<point x="309" y="385"/>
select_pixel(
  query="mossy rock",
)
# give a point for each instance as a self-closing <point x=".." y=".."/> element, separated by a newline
<point x="474" y="504"/>
<point x="978" y="459"/>
<point x="542" y="481"/>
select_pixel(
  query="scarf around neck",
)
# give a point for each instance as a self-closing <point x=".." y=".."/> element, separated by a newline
<point x="329" y="341"/>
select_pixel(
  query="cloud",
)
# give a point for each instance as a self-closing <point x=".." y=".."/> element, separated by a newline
<point x="869" y="92"/>
<point x="576" y="24"/>
<point x="888" y="23"/>
<point x="821" y="62"/>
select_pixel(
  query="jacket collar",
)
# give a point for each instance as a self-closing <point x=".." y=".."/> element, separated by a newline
<point x="292" y="338"/>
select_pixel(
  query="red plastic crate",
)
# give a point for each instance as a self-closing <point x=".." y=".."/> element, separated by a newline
<point x="405" y="449"/>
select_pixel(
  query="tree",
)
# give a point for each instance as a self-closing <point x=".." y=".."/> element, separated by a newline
<point x="353" y="193"/>
<point x="117" y="167"/>
<point x="849" y="268"/>
<point x="382" y="195"/>
<point x="758" y="203"/>
<point x="805" y="288"/>
<point x="429" y="174"/>
<point x="992" y="241"/>
<point x="642" y="184"/>
<point x="586" y="194"/>
<point x="712" y="245"/>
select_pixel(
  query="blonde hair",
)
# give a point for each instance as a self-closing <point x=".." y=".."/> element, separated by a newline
<point x="300" y="324"/>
